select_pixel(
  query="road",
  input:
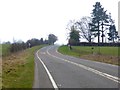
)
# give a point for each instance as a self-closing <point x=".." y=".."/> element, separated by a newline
<point x="54" y="70"/>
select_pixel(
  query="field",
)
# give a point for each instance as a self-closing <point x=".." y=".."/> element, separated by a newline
<point x="18" y="69"/>
<point x="101" y="54"/>
<point x="5" y="48"/>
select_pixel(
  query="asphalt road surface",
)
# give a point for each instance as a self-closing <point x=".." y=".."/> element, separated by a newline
<point x="54" y="70"/>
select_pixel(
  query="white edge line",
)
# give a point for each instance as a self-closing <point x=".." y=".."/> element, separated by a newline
<point x="50" y="76"/>
<point x="35" y="76"/>
<point x="116" y="79"/>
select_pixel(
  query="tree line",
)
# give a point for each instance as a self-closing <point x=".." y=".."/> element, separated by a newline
<point x="99" y="24"/>
<point x="21" y="45"/>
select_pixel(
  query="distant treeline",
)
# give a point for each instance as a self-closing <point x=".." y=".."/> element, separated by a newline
<point x="95" y="44"/>
<point x="20" y="45"/>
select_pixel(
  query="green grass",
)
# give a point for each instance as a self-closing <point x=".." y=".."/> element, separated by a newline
<point x="101" y="54"/>
<point x="98" y="50"/>
<point x="18" y="70"/>
<point x="84" y="50"/>
<point x="5" y="48"/>
<point x="65" y="50"/>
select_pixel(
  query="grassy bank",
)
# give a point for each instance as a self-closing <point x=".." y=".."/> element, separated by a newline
<point x="18" y="69"/>
<point x="5" y="48"/>
<point x="101" y="54"/>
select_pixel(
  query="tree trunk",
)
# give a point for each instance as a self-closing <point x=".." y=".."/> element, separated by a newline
<point x="102" y="34"/>
<point x="113" y="40"/>
<point x="98" y="33"/>
<point x="89" y="39"/>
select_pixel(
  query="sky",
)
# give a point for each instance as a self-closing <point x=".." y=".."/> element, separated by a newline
<point x="26" y="19"/>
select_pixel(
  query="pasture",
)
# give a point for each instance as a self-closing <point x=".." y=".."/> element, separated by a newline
<point x="101" y="54"/>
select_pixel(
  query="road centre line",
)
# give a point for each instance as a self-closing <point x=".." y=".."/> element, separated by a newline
<point x="49" y="75"/>
<point x="113" y="78"/>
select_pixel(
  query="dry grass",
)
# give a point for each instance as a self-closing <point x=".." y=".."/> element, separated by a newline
<point x="11" y="66"/>
<point x="102" y="58"/>
<point x="13" y="60"/>
<point x="18" y="69"/>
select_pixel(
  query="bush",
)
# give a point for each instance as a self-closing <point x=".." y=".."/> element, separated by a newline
<point x="18" y="46"/>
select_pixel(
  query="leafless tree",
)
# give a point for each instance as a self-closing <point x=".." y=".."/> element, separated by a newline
<point x="84" y="28"/>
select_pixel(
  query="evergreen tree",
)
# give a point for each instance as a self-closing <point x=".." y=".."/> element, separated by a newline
<point x="113" y="34"/>
<point x="98" y="16"/>
<point x="74" y="36"/>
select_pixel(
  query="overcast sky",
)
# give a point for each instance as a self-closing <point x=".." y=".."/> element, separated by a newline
<point x="26" y="19"/>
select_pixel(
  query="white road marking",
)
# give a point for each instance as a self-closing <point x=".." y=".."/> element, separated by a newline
<point x="50" y="76"/>
<point x="113" y="78"/>
<point x="36" y="77"/>
<point x="42" y="52"/>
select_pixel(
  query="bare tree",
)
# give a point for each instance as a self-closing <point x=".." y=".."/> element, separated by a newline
<point x="70" y="24"/>
<point x="84" y="28"/>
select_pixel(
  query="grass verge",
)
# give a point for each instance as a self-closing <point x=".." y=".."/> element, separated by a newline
<point x="18" y="69"/>
<point x="5" y="49"/>
<point x="109" y="55"/>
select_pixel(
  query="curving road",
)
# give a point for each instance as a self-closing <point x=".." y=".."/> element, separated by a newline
<point x="54" y="70"/>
